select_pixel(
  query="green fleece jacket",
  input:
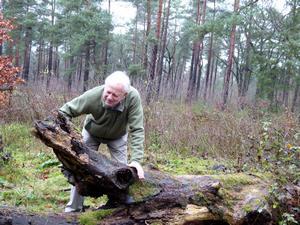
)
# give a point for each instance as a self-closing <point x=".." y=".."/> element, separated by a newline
<point x="111" y="123"/>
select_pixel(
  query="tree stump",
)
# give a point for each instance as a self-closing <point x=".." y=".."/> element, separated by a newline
<point x="159" y="198"/>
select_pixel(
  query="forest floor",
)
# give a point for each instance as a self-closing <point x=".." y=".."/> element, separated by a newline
<point x="225" y="145"/>
<point x="16" y="216"/>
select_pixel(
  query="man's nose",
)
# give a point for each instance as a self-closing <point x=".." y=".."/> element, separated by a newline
<point x="110" y="96"/>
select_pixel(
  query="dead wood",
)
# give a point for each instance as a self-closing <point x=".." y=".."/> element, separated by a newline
<point x="92" y="173"/>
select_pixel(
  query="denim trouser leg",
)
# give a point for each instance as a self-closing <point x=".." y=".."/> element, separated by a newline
<point x="118" y="149"/>
<point x="118" y="152"/>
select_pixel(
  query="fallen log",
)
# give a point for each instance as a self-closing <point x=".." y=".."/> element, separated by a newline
<point x="160" y="198"/>
<point x="93" y="174"/>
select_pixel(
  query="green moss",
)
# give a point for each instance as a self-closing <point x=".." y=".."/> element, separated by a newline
<point x="156" y="223"/>
<point x="93" y="217"/>
<point x="253" y="204"/>
<point x="234" y="180"/>
<point x="227" y="196"/>
<point x="185" y="165"/>
<point x="200" y="199"/>
<point x="141" y="190"/>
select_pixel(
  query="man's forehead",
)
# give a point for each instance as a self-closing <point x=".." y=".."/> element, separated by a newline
<point x="115" y="87"/>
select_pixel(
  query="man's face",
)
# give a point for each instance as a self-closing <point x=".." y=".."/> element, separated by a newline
<point x="113" y="94"/>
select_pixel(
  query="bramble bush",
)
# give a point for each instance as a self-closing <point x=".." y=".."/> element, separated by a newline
<point x="8" y="72"/>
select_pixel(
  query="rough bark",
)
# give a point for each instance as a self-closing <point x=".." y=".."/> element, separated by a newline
<point x="93" y="174"/>
<point x="158" y="199"/>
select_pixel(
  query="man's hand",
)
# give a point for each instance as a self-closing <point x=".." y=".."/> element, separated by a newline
<point x="139" y="169"/>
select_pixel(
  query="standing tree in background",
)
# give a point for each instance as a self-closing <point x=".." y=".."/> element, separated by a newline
<point x="26" y="15"/>
<point x="147" y="33"/>
<point x="292" y="39"/>
<point x="50" y="57"/>
<point x="230" y="58"/>
<point x="74" y="39"/>
<point x="86" y="28"/>
<point x="163" y="45"/>
<point x="197" y="50"/>
<point x="153" y="63"/>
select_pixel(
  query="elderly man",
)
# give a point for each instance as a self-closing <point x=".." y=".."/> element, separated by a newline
<point x="113" y="110"/>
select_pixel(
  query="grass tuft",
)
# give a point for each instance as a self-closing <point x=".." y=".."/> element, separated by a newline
<point x="94" y="217"/>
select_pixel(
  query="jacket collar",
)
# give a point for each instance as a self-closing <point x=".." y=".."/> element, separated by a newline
<point x="120" y="107"/>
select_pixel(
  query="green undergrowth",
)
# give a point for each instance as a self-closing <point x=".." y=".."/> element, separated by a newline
<point x="184" y="164"/>
<point x="235" y="180"/>
<point x="180" y="140"/>
<point x="31" y="179"/>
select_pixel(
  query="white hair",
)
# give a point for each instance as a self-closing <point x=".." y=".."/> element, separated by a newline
<point x="118" y="77"/>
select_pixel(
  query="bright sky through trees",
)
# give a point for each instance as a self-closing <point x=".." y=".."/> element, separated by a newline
<point x="122" y="12"/>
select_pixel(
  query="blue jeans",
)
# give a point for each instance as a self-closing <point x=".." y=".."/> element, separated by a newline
<point x="118" y="152"/>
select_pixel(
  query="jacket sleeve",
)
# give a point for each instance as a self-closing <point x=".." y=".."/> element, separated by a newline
<point x="78" y="106"/>
<point x="136" y="129"/>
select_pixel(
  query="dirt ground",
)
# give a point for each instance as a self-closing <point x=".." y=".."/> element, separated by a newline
<point x="14" y="216"/>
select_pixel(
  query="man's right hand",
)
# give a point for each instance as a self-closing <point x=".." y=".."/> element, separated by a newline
<point x="139" y="169"/>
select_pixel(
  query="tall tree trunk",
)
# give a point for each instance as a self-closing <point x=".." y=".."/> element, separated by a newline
<point x="286" y="85"/>
<point x="246" y="69"/>
<point x="39" y="61"/>
<point x="45" y="62"/>
<point x="86" y="67"/>
<point x="163" y="49"/>
<point x="211" y="62"/>
<point x="17" y="53"/>
<point x="56" y="63"/>
<point x="211" y="76"/>
<point x="79" y="69"/>
<point x="195" y="61"/>
<point x="145" y="61"/>
<point x="50" y="57"/>
<point x="71" y="65"/>
<point x="27" y="53"/>
<point x="49" y="74"/>
<point x="202" y="21"/>
<point x="106" y="43"/>
<point x="296" y="94"/>
<point x="152" y="68"/>
<point x="229" y="59"/>
<point x="208" y="67"/>
<point x="169" y="82"/>
<point x="135" y="37"/>
<point x="180" y="71"/>
<point x="243" y="74"/>
<point x="214" y="77"/>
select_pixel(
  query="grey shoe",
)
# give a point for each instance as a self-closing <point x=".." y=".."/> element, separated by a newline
<point x="70" y="210"/>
